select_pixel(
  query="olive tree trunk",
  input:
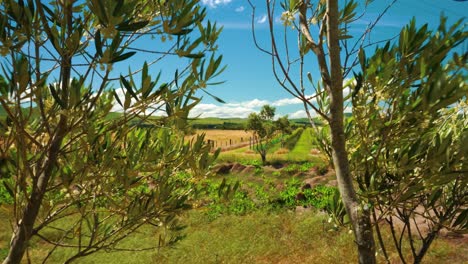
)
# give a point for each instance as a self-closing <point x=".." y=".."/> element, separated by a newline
<point x="24" y="229"/>
<point x="358" y="213"/>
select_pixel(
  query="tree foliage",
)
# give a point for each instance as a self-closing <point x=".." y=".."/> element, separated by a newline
<point x="68" y="163"/>
<point x="264" y="129"/>
<point x="408" y="133"/>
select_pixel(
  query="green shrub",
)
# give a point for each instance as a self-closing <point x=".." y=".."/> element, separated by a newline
<point x="292" y="169"/>
<point x="276" y="174"/>
<point x="335" y="208"/>
<point x="317" y="197"/>
<point x="252" y="162"/>
<point x="5" y="193"/>
<point x="301" y="167"/>
<point x="288" y="195"/>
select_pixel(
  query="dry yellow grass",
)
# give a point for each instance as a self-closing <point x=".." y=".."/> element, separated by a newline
<point x="228" y="139"/>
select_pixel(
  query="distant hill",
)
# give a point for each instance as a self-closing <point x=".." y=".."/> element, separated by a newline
<point x="238" y="123"/>
<point x="218" y="123"/>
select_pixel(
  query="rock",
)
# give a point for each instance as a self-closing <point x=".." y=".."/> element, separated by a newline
<point x="306" y="187"/>
<point x="269" y="170"/>
<point x="332" y="183"/>
<point x="315" y="151"/>
<point x="300" y="196"/>
<point x="312" y="182"/>
<point x="278" y="165"/>
<point x="302" y="209"/>
<point x="250" y="169"/>
<point x="237" y="168"/>
<point x="224" y="168"/>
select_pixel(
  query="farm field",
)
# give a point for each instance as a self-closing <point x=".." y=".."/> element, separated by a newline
<point x="299" y="149"/>
<point x="225" y="139"/>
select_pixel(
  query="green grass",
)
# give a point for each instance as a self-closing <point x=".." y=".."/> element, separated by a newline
<point x="258" y="237"/>
<point x="303" y="144"/>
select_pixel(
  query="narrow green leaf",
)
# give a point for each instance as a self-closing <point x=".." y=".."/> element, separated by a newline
<point x="194" y="56"/>
<point x="214" y="97"/>
<point x="117" y="98"/>
<point x="98" y="42"/>
<point x="54" y="94"/>
<point x="128" y="87"/>
<point x="462" y="219"/>
<point x="132" y="26"/>
<point x="123" y="57"/>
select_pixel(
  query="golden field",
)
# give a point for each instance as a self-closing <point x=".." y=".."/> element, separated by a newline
<point x="225" y="138"/>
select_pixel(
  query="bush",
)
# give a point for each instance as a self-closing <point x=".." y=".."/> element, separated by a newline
<point x="5" y="194"/>
<point x="317" y="197"/>
<point x="295" y="168"/>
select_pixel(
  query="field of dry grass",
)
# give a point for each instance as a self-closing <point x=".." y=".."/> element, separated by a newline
<point x="226" y="139"/>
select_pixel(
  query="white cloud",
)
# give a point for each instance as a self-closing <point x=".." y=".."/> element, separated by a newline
<point x="241" y="109"/>
<point x="298" y="114"/>
<point x="286" y="101"/>
<point x="215" y="3"/>
<point x="302" y="114"/>
<point x="224" y="111"/>
<point x="240" y="9"/>
<point x="250" y="104"/>
<point x="257" y="103"/>
<point x="262" y="19"/>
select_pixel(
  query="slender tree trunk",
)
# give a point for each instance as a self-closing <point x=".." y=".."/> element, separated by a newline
<point x="263" y="158"/>
<point x="359" y="215"/>
<point x="24" y="230"/>
<point x="25" y="227"/>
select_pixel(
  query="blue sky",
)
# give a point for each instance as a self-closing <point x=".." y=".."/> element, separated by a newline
<point x="249" y="82"/>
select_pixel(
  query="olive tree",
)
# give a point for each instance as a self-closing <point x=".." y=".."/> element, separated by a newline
<point x="72" y="167"/>
<point x="408" y="135"/>
<point x="263" y="129"/>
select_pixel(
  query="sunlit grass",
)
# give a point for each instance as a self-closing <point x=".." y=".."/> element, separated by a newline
<point x="258" y="237"/>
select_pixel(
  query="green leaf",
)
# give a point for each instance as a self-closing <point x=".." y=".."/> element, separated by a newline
<point x="123" y="57"/>
<point x="117" y="98"/>
<point x="98" y="42"/>
<point x="195" y="55"/>
<point x="128" y="87"/>
<point x="221" y="188"/>
<point x="362" y="57"/>
<point x="54" y="94"/>
<point x="462" y="220"/>
<point x="214" y="97"/>
<point x="132" y="26"/>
